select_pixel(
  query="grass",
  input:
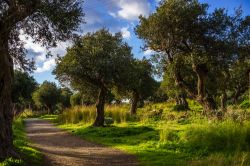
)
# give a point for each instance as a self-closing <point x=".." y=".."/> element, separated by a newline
<point x="29" y="156"/>
<point x="161" y="136"/>
<point x="87" y="114"/>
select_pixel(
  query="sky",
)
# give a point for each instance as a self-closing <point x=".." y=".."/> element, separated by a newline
<point x="117" y="16"/>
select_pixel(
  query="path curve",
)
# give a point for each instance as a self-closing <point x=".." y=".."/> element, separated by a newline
<point x="63" y="149"/>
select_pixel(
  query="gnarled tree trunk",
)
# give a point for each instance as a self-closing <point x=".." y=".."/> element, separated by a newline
<point x="134" y="102"/>
<point x="99" y="121"/>
<point x="203" y="97"/>
<point x="6" y="112"/>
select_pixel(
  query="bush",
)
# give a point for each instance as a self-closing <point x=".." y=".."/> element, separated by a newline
<point x="245" y="104"/>
<point x="108" y="121"/>
<point x="218" y="136"/>
<point x="179" y="107"/>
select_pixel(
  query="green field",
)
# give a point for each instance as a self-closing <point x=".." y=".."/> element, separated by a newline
<point x="167" y="138"/>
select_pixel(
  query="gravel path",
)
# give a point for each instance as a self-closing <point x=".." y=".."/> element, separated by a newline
<point x="63" y="149"/>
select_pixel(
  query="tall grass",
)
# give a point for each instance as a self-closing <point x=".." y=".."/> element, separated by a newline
<point x="227" y="136"/>
<point x="87" y="114"/>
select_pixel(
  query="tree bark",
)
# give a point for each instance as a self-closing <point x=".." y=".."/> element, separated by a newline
<point x="134" y="102"/>
<point x="99" y="121"/>
<point x="6" y="111"/>
<point x="239" y="90"/>
<point x="184" y="102"/>
<point x="207" y="101"/>
<point x="223" y="100"/>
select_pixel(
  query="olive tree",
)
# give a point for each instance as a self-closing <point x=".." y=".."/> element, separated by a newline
<point x="138" y="84"/>
<point x="22" y="88"/>
<point x="47" y="96"/>
<point x="96" y="61"/>
<point x="46" y="22"/>
<point x="206" y="44"/>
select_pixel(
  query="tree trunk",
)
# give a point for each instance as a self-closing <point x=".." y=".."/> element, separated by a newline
<point x="203" y="97"/>
<point x="99" y="121"/>
<point x="184" y="102"/>
<point x="239" y="90"/>
<point x="134" y="102"/>
<point x="223" y="100"/>
<point x="6" y="111"/>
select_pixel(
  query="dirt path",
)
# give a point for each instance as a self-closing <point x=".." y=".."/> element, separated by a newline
<point x="63" y="149"/>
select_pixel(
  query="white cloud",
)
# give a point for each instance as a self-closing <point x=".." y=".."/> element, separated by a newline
<point x="148" y="52"/>
<point x="112" y="14"/>
<point x="131" y="9"/>
<point x="40" y="58"/>
<point x="125" y="33"/>
<point x="39" y="53"/>
<point x="48" y="65"/>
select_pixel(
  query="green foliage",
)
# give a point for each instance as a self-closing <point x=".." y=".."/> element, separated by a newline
<point x="47" y="95"/>
<point x="76" y="99"/>
<point x="12" y="162"/>
<point x="227" y="136"/>
<point x="27" y="113"/>
<point x="22" y="88"/>
<point x="108" y="121"/>
<point x="159" y="135"/>
<point x="46" y="22"/>
<point x="97" y="59"/>
<point x="29" y="156"/>
<point x="245" y="104"/>
<point x="179" y="107"/>
<point x="194" y="43"/>
<point x="65" y="97"/>
<point x="87" y="114"/>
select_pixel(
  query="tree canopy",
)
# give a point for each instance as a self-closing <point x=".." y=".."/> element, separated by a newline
<point x="47" y="96"/>
<point x="189" y="38"/>
<point x="22" y="88"/>
<point x="46" y="22"/>
<point x="98" y="61"/>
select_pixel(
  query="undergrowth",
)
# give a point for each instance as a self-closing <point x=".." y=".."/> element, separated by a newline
<point x="160" y="136"/>
<point x="28" y="155"/>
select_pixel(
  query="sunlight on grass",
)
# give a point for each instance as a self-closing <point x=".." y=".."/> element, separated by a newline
<point x="29" y="156"/>
<point x="160" y="136"/>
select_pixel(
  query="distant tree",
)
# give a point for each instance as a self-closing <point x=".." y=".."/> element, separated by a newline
<point x="65" y="94"/>
<point x="46" y="22"/>
<point x="141" y="83"/>
<point x="137" y="85"/>
<point x="238" y="84"/>
<point x="82" y="99"/>
<point x="22" y="88"/>
<point x="169" y="86"/>
<point x="96" y="61"/>
<point x="47" y="95"/>
<point x="159" y="95"/>
<point x="206" y="44"/>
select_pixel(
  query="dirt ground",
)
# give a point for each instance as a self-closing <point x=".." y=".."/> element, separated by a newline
<point x="60" y="148"/>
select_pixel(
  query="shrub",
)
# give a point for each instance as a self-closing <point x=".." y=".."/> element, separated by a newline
<point x="218" y="136"/>
<point x="108" y="121"/>
<point x="245" y="104"/>
<point x="12" y="162"/>
<point x="179" y="107"/>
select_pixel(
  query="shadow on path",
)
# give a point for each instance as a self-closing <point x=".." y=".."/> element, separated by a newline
<point x="63" y="149"/>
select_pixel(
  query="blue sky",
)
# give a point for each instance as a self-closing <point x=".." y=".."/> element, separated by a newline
<point x="116" y="15"/>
